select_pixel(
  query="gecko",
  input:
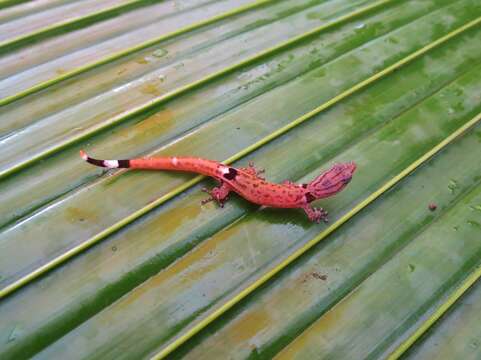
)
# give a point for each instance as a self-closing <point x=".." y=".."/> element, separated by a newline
<point x="247" y="182"/>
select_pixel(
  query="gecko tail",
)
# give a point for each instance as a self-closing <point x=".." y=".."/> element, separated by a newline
<point x="111" y="164"/>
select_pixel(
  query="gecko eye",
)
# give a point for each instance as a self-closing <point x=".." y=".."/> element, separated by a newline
<point x="231" y="174"/>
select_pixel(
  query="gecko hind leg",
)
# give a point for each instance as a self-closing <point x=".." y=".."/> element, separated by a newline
<point x="316" y="214"/>
<point x="220" y="194"/>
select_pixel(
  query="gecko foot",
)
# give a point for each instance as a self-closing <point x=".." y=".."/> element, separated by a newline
<point x="289" y="183"/>
<point x="220" y="194"/>
<point x="254" y="171"/>
<point x="316" y="214"/>
<point x="257" y="171"/>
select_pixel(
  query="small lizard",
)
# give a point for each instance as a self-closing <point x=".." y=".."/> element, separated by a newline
<point x="247" y="182"/>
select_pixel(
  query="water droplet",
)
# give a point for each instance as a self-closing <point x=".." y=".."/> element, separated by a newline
<point x="456" y="228"/>
<point x="473" y="344"/>
<point x="142" y="61"/>
<point x="179" y="66"/>
<point x="160" y="53"/>
<point x="162" y="77"/>
<point x="458" y="92"/>
<point x="474" y="223"/>
<point x="14" y="334"/>
<point x="450" y="111"/>
<point x="475" y="207"/>
<point x="453" y="185"/>
<point x="360" y="26"/>
<point x="411" y="267"/>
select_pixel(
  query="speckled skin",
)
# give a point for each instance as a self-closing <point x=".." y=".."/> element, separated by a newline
<point x="247" y="182"/>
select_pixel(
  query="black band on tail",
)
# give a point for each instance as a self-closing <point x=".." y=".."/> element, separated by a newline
<point x="124" y="163"/>
<point x="95" y="162"/>
<point x="111" y="164"/>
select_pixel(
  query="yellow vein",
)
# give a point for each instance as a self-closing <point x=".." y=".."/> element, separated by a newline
<point x="296" y="254"/>
<point x="465" y="285"/>
<point x="123" y="53"/>
<point x="9" y="3"/>
<point x="118" y="119"/>
<point x="137" y="214"/>
<point x="66" y="23"/>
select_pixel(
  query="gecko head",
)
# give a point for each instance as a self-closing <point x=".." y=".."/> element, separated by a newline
<point x="331" y="182"/>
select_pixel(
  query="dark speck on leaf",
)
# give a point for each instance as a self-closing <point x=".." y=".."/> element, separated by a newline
<point x="319" y="276"/>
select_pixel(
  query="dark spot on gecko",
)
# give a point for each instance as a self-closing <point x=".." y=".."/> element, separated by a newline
<point x="255" y="185"/>
<point x="231" y="175"/>
<point x="309" y="197"/>
<point x="304" y="186"/>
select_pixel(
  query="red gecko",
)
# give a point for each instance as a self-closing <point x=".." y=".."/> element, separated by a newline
<point x="247" y="182"/>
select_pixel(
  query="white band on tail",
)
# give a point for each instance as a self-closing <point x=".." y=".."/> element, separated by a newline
<point x="112" y="164"/>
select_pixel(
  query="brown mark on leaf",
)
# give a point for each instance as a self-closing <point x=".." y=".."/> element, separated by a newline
<point x="79" y="215"/>
<point x="151" y="88"/>
<point x="152" y="126"/>
<point x="251" y="323"/>
<point x="315" y="275"/>
<point x="142" y="61"/>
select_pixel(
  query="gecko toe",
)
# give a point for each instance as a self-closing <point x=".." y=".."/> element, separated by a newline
<point x="205" y="201"/>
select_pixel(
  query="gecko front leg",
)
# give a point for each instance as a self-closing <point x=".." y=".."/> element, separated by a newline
<point x="220" y="194"/>
<point x="253" y="170"/>
<point x="289" y="183"/>
<point x="316" y="214"/>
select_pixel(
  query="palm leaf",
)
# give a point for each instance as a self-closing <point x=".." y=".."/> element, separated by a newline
<point x="129" y="265"/>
